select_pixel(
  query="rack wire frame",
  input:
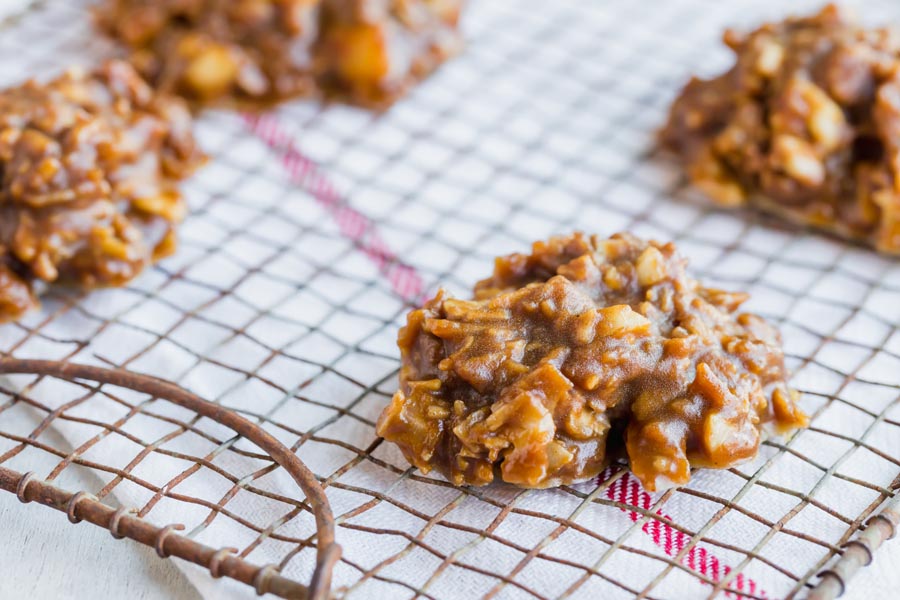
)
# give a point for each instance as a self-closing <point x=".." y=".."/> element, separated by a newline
<point x="526" y="134"/>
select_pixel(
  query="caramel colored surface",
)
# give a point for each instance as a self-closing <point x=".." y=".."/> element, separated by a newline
<point x="89" y="166"/>
<point x="584" y="347"/>
<point x="806" y="125"/>
<point x="362" y="51"/>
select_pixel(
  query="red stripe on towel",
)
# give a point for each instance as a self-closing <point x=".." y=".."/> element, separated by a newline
<point x="628" y="490"/>
<point x="354" y="225"/>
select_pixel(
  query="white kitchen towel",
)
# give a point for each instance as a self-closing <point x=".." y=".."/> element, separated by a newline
<point x="312" y="228"/>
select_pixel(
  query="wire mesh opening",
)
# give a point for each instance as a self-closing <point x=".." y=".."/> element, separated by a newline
<point x="314" y="229"/>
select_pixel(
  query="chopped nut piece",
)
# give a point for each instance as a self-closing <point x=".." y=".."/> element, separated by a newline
<point x="805" y="125"/>
<point x="650" y="267"/>
<point x="712" y="178"/>
<point x="551" y="368"/>
<point x="798" y="159"/>
<point x="89" y="162"/>
<point x="826" y="120"/>
<point x="211" y="72"/>
<point x="620" y="319"/>
<point x="363" y="51"/>
<point x="770" y="58"/>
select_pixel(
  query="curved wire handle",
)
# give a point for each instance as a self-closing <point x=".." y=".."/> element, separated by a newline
<point x="164" y="539"/>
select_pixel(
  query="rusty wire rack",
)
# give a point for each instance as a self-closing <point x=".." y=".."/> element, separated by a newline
<point x="283" y="302"/>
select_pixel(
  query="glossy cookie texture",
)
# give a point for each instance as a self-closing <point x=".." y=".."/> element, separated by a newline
<point x="89" y="165"/>
<point x="365" y="52"/>
<point x="806" y="124"/>
<point x="578" y="351"/>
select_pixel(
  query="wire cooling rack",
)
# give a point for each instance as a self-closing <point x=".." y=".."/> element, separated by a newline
<point x="313" y="231"/>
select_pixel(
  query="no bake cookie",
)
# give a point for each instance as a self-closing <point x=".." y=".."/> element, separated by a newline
<point x="366" y="52"/>
<point x="581" y="350"/>
<point x="89" y="164"/>
<point x="806" y="124"/>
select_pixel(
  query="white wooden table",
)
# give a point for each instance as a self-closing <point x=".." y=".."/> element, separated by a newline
<point x="43" y="557"/>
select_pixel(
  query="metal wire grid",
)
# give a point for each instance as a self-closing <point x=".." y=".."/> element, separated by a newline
<point x="281" y="304"/>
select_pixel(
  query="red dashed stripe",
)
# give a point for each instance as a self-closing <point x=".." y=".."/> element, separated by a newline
<point x="628" y="490"/>
<point x="354" y="225"/>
